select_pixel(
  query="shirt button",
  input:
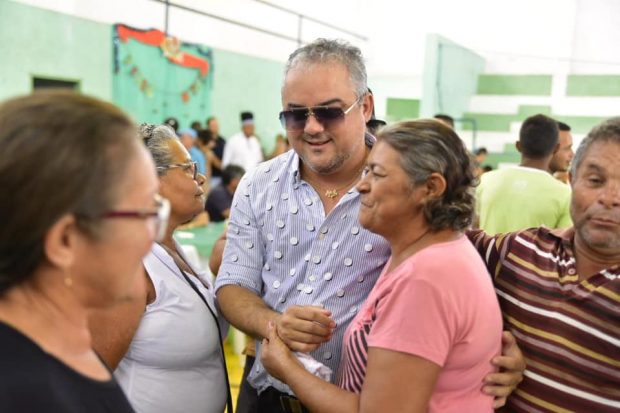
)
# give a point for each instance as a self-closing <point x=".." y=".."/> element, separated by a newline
<point x="267" y="267"/>
<point x="310" y="227"/>
<point x="276" y="284"/>
<point x="308" y="290"/>
<point x="340" y="293"/>
<point x="294" y="209"/>
<point x="294" y="241"/>
<point x="327" y="355"/>
<point x="324" y="230"/>
<point x="283" y="299"/>
<point x="234" y="258"/>
<point x="246" y="221"/>
<point x="300" y="287"/>
<point x="335" y="245"/>
<point x="292" y="272"/>
<point x="277" y="255"/>
<point x="280" y="224"/>
<point x="327" y="276"/>
<point x="284" y="197"/>
<point x="360" y="279"/>
<point x="572" y="271"/>
<point x="348" y="262"/>
<point x="352" y="309"/>
<point x="312" y="278"/>
<point x="368" y="247"/>
<point x="307" y="257"/>
<point x="269" y="207"/>
<point x="275" y="179"/>
<point x="316" y="259"/>
<point x="355" y="230"/>
<point x="249" y="245"/>
<point x="308" y="201"/>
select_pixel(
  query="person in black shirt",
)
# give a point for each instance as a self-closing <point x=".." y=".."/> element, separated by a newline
<point x="220" y="198"/>
<point x="79" y="210"/>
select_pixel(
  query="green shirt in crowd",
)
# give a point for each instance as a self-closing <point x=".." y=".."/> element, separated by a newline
<point x="515" y="198"/>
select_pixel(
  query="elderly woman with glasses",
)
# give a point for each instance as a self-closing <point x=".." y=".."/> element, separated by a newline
<point x="79" y="212"/>
<point x="166" y="345"/>
<point x="424" y="339"/>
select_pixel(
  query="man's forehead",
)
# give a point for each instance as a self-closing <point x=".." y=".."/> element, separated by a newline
<point x="602" y="155"/>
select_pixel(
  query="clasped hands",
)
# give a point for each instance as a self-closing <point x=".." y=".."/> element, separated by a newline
<point x="299" y="328"/>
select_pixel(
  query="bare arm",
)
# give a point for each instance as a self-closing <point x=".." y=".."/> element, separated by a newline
<point x="215" y="259"/>
<point x="113" y="329"/>
<point x="394" y="381"/>
<point x="302" y="328"/>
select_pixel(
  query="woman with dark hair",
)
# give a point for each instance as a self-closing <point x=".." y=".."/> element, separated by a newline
<point x="425" y="336"/>
<point x="165" y="346"/>
<point x="79" y="210"/>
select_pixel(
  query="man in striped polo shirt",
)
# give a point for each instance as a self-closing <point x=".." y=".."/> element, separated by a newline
<point x="560" y="292"/>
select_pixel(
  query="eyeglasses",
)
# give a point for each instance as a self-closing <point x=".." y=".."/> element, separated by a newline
<point x="187" y="167"/>
<point x="158" y="217"/>
<point x="294" y="120"/>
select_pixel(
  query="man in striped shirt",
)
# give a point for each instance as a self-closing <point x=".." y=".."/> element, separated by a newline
<point x="560" y="292"/>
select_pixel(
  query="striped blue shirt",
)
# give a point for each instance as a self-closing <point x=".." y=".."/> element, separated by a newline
<point x="282" y="247"/>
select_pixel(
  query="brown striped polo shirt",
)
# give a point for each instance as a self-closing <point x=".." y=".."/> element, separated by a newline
<point x="568" y="328"/>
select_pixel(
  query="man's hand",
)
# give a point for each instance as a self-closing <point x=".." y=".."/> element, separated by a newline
<point x="275" y="355"/>
<point x="304" y="328"/>
<point x="511" y="364"/>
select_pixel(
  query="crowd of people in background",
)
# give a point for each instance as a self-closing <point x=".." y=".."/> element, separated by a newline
<point x="374" y="266"/>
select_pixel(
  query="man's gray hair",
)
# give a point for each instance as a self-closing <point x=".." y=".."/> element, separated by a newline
<point x="330" y="51"/>
<point x="156" y="138"/>
<point x="607" y="131"/>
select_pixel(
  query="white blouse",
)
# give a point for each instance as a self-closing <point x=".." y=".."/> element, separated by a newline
<point x="174" y="361"/>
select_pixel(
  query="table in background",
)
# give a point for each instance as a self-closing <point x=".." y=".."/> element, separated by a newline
<point x="203" y="238"/>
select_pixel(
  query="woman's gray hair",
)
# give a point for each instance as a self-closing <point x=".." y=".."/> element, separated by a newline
<point x="330" y="51"/>
<point x="427" y="146"/>
<point x="156" y="138"/>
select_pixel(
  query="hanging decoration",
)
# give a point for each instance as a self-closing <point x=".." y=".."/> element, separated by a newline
<point x="171" y="50"/>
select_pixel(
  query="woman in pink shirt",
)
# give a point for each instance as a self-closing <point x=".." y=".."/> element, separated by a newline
<point x="425" y="337"/>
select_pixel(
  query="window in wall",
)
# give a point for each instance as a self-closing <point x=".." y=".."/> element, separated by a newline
<point x="39" y="83"/>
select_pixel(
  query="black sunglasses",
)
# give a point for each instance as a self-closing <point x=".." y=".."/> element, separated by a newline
<point x="294" y="120"/>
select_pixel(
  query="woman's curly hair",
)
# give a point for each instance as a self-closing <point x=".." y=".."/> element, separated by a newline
<point x="426" y="146"/>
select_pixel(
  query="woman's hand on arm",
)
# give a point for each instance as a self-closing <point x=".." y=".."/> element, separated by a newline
<point x="113" y="329"/>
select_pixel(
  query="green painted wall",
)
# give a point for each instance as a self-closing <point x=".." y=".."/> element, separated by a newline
<point x="450" y="77"/>
<point x="527" y="85"/>
<point x="37" y="42"/>
<point x="500" y="122"/>
<point x="41" y="43"/>
<point x="495" y="159"/>
<point x="399" y="109"/>
<point x="243" y="83"/>
<point x="593" y="85"/>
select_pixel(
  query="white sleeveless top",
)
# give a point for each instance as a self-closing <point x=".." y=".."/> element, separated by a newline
<point x="174" y="361"/>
